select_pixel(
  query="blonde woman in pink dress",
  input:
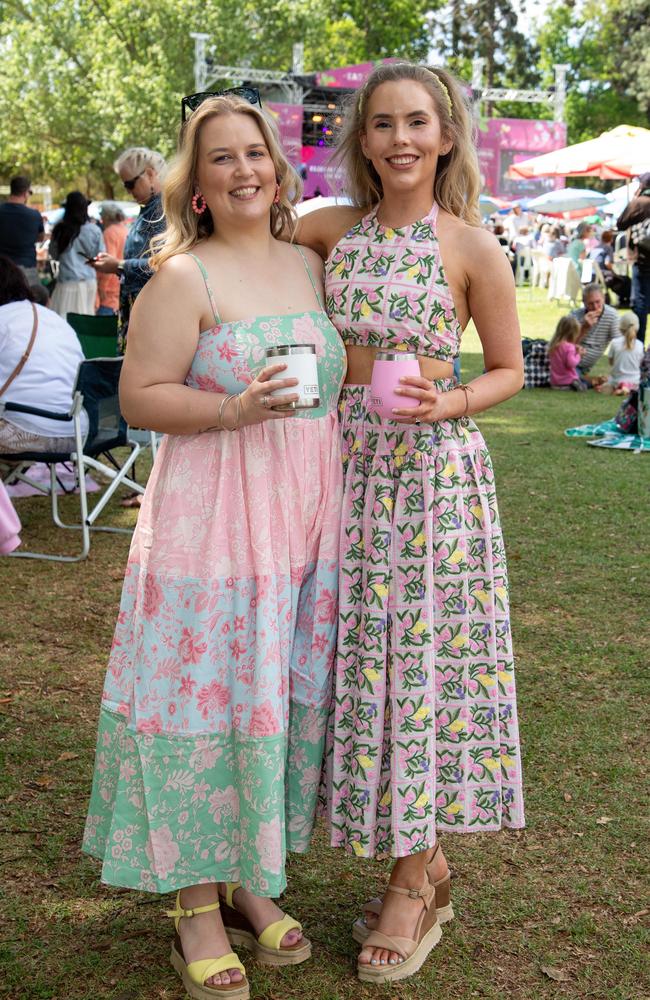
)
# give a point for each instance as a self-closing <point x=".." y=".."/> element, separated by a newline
<point x="216" y="698"/>
<point x="424" y="732"/>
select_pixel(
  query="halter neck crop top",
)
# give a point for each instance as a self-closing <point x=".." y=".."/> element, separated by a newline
<point x="386" y="288"/>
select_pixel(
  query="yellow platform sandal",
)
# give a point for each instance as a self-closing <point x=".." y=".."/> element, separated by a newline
<point x="195" y="974"/>
<point x="266" y="948"/>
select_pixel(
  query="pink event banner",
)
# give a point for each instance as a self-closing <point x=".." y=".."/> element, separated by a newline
<point x="288" y="118"/>
<point x="504" y="141"/>
<point x="319" y="176"/>
<point x="349" y="76"/>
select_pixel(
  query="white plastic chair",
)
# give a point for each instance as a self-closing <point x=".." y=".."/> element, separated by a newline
<point x="524" y="268"/>
<point x="541" y="268"/>
<point x="565" y="281"/>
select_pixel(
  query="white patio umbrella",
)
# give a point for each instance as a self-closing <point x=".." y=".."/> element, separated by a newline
<point x="622" y="152"/>
<point x="566" y="200"/>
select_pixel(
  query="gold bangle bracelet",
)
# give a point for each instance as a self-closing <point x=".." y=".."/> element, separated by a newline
<point x="466" y="389"/>
<point x="226" y="399"/>
<point x="229" y="399"/>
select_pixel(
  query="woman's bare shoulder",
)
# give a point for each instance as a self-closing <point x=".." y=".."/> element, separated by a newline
<point x="474" y="243"/>
<point x="322" y="229"/>
<point x="314" y="259"/>
<point x="163" y="286"/>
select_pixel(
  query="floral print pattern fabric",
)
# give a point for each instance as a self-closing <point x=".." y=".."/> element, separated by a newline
<point x="215" y="702"/>
<point x="423" y="734"/>
<point x="386" y="288"/>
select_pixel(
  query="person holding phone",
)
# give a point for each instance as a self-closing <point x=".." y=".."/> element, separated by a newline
<point x="75" y="242"/>
<point x="142" y="171"/>
<point x="115" y="233"/>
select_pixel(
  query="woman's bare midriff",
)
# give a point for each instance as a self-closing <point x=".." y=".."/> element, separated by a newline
<point x="361" y="360"/>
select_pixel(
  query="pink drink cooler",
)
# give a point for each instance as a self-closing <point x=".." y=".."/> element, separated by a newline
<point x="388" y="369"/>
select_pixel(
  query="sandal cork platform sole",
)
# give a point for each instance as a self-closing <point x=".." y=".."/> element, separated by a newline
<point x="194" y="974"/>
<point x="444" y="908"/>
<point x="266" y="947"/>
<point x="414" y="951"/>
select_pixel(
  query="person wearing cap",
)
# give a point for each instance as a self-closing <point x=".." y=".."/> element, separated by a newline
<point x="115" y="233"/>
<point x="75" y="243"/>
<point x="21" y="227"/>
<point x="636" y="219"/>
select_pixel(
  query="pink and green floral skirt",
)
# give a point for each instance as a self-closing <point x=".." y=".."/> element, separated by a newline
<point x="216" y="697"/>
<point x="423" y="733"/>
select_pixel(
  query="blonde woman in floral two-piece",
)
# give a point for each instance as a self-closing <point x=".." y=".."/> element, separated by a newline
<point x="424" y="732"/>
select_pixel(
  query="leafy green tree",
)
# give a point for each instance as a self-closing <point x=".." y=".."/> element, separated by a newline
<point x="392" y="28"/>
<point x="489" y="29"/>
<point x="604" y="56"/>
<point x="82" y="79"/>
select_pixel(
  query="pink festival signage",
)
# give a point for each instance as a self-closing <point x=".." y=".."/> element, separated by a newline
<point x="288" y="118"/>
<point x="501" y="142"/>
<point x="504" y="141"/>
<point x="349" y="76"/>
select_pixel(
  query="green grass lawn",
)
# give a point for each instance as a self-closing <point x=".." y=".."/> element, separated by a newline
<point x="568" y="894"/>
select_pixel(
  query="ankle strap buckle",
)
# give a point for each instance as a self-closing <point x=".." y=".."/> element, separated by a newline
<point x="415" y="893"/>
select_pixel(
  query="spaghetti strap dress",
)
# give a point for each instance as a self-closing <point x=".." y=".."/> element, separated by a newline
<point x="215" y="703"/>
<point x="423" y="735"/>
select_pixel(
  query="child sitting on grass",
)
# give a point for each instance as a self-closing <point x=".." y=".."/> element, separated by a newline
<point x="564" y="355"/>
<point x="625" y="353"/>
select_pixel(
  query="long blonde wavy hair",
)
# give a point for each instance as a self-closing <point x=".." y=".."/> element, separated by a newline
<point x="457" y="184"/>
<point x="184" y="227"/>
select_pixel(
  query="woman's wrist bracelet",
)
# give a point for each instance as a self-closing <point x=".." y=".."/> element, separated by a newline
<point x="466" y="389"/>
<point x="226" y="399"/>
<point x="229" y="399"/>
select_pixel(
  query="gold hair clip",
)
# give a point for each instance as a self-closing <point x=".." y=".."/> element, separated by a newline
<point x="443" y="87"/>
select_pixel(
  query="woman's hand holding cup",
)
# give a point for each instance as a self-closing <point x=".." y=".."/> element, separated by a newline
<point x="430" y="403"/>
<point x="257" y="404"/>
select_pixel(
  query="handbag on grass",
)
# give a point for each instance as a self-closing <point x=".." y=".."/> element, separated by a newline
<point x="644" y="410"/>
<point x="626" y="418"/>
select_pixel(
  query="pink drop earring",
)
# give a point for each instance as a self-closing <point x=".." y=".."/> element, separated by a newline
<point x="196" y="208"/>
<point x="276" y="200"/>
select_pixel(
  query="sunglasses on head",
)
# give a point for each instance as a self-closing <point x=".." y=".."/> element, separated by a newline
<point x="190" y="103"/>
<point x="130" y="185"/>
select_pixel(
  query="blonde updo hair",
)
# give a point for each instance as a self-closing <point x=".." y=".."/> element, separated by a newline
<point x="457" y="184"/>
<point x="184" y="227"/>
<point x="136" y="159"/>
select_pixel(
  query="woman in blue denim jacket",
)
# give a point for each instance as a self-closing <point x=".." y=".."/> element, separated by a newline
<point x="142" y="171"/>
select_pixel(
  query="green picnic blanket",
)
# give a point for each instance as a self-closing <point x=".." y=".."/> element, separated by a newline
<point x="608" y="435"/>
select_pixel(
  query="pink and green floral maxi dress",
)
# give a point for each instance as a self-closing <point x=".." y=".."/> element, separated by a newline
<point x="215" y="703"/>
<point x="423" y="732"/>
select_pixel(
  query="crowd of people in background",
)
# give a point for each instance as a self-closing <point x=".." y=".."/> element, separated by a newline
<point x="618" y="279"/>
<point x="601" y="243"/>
<point x="87" y="265"/>
<point x="100" y="264"/>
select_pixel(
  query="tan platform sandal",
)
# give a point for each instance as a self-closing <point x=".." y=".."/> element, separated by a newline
<point x="194" y="974"/>
<point x="266" y="948"/>
<point x="444" y="909"/>
<point x="412" y="951"/>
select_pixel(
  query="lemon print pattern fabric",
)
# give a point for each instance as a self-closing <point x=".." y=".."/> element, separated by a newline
<point x="423" y="732"/>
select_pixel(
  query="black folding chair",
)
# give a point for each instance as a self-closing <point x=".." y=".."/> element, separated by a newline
<point x="96" y="392"/>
